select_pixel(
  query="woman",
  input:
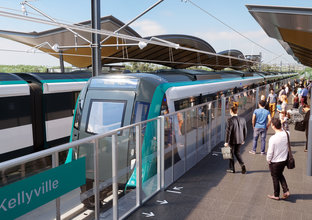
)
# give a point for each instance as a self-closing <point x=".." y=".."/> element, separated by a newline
<point x="277" y="159"/>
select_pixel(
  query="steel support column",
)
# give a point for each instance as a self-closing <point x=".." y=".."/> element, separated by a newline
<point x="96" y="38"/>
<point x="62" y="62"/>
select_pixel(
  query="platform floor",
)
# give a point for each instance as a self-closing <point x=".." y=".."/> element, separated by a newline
<point x="208" y="192"/>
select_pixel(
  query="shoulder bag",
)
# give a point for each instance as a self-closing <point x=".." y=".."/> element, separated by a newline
<point x="299" y="126"/>
<point x="226" y="153"/>
<point x="290" y="159"/>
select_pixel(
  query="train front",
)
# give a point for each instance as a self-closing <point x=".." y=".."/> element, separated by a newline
<point x="107" y="103"/>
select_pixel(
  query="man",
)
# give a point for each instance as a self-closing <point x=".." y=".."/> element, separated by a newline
<point x="304" y="95"/>
<point x="272" y="99"/>
<point x="261" y="120"/>
<point x="236" y="133"/>
<point x="306" y="110"/>
<point x="277" y="159"/>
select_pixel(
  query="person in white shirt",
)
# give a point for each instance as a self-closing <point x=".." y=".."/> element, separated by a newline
<point x="277" y="158"/>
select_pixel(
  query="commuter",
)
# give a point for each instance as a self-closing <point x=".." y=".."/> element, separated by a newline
<point x="261" y="120"/>
<point x="236" y="133"/>
<point x="168" y="128"/>
<point x="180" y="122"/>
<point x="284" y="103"/>
<point x="304" y="95"/>
<point x="277" y="159"/>
<point x="262" y="97"/>
<point x="235" y="97"/>
<point x="306" y="109"/>
<point x="282" y="92"/>
<point x="287" y="90"/>
<point x="299" y="92"/>
<point x="284" y="120"/>
<point x="296" y="101"/>
<point x="279" y="106"/>
<point x="272" y="98"/>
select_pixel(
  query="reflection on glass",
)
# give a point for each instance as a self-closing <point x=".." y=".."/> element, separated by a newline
<point x="105" y="116"/>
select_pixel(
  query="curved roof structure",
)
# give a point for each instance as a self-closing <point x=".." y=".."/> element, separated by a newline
<point x="76" y="50"/>
<point x="291" y="26"/>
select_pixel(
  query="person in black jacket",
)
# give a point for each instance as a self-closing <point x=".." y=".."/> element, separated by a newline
<point x="306" y="109"/>
<point x="236" y="133"/>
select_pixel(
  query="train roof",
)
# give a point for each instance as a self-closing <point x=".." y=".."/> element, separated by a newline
<point x="9" y="77"/>
<point x="58" y="82"/>
<point x="56" y="77"/>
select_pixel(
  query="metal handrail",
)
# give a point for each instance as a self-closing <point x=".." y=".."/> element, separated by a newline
<point x="24" y="159"/>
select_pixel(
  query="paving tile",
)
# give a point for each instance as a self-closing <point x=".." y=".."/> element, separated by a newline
<point x="272" y="215"/>
<point x="230" y="217"/>
<point x="211" y="193"/>
<point x="291" y="215"/>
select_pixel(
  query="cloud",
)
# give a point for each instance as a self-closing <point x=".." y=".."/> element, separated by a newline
<point x="13" y="53"/>
<point x="148" y="28"/>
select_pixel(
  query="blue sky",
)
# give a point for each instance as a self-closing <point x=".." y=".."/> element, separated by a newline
<point x="170" y="17"/>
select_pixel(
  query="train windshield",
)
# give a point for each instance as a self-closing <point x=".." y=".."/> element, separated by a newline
<point x="105" y="115"/>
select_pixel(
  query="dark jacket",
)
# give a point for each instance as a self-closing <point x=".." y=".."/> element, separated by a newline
<point x="236" y="130"/>
<point x="306" y="122"/>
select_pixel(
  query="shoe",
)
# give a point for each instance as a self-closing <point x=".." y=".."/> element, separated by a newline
<point x="244" y="171"/>
<point x="252" y="152"/>
<point x="263" y="153"/>
<point x="305" y="150"/>
<point x="230" y="171"/>
<point x="286" y="195"/>
<point x="273" y="197"/>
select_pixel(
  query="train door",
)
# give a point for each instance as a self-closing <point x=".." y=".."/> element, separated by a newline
<point x="104" y="111"/>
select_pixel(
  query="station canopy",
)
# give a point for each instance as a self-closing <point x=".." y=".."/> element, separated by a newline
<point x="77" y="51"/>
<point x="291" y="26"/>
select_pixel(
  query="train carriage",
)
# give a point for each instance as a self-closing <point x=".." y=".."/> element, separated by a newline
<point x="112" y="101"/>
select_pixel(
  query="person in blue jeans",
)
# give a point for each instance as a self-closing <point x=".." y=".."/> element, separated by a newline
<point x="261" y="120"/>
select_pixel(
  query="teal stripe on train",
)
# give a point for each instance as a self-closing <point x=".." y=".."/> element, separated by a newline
<point x="15" y="82"/>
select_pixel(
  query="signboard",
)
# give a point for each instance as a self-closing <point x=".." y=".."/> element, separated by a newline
<point x="23" y="196"/>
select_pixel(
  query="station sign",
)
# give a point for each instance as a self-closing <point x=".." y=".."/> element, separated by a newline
<point x="25" y="195"/>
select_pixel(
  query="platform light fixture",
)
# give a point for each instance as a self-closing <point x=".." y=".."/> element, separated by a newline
<point x="142" y="45"/>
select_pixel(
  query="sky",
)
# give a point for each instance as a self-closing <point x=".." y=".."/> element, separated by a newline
<point x="169" y="17"/>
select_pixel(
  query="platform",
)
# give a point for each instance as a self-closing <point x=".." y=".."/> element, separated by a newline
<point x="208" y="192"/>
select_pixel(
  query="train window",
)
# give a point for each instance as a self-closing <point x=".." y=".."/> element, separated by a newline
<point x="59" y="105"/>
<point x="140" y="111"/>
<point x="15" y="111"/>
<point x="105" y="115"/>
<point x="182" y="104"/>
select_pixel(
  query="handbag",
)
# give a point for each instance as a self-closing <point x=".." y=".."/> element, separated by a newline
<point x="299" y="126"/>
<point x="290" y="159"/>
<point x="226" y="153"/>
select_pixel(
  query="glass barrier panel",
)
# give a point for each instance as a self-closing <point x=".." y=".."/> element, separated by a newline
<point x="202" y="132"/>
<point x="219" y="121"/>
<point x="213" y="124"/>
<point x="149" y="158"/>
<point x="126" y="152"/>
<point x="191" y="130"/>
<point x="170" y="144"/>
<point x="179" y="150"/>
<point x="25" y="170"/>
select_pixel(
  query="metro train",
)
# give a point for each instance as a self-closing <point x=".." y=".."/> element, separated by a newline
<point x="109" y="102"/>
<point x="36" y="110"/>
